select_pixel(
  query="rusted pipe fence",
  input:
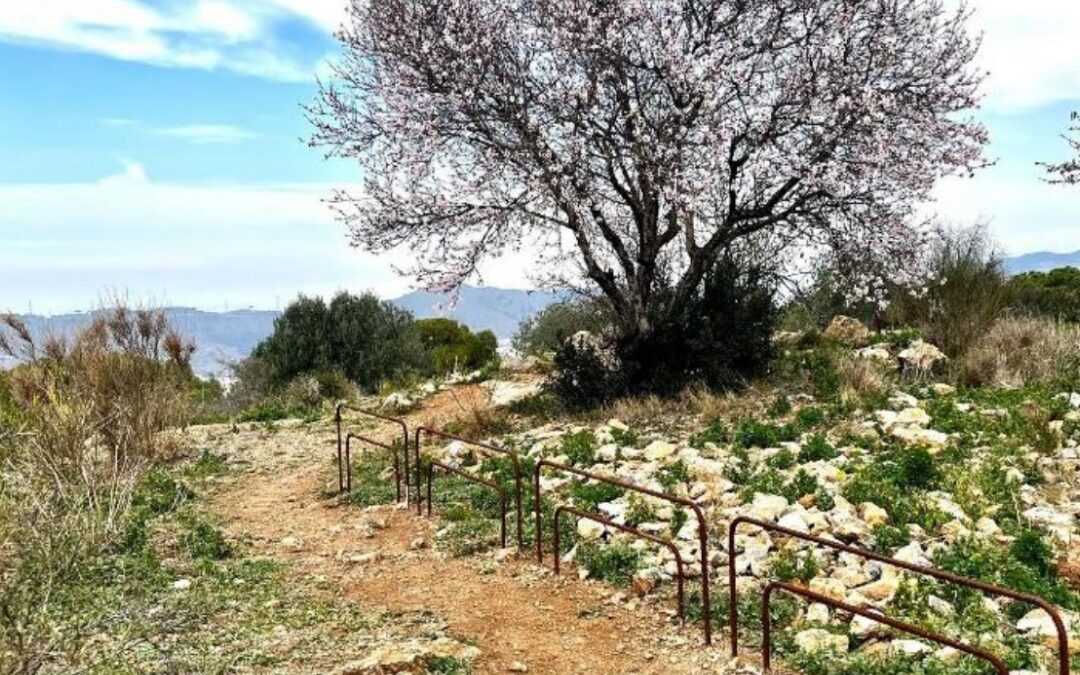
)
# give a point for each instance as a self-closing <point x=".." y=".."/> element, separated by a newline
<point x="766" y="624"/>
<point x="703" y="533"/>
<point x="432" y="464"/>
<point x="386" y="418"/>
<point x="666" y="543"/>
<point x="349" y="438"/>
<point x="489" y="450"/>
<point x="1055" y="615"/>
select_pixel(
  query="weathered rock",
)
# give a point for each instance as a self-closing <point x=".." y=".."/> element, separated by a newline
<point x="848" y="330"/>
<point x="504" y="392"/>
<point x="916" y="417"/>
<point x="767" y="507"/>
<point x="397" y="401"/>
<point x="921" y="356"/>
<point x="658" y="450"/>
<point x="589" y="530"/>
<point x="872" y="514"/>
<point x="818" y="639"/>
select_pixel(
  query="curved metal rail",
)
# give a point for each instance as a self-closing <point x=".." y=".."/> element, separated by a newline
<point x="476" y="479"/>
<point x="703" y="533"/>
<point x="487" y="448"/>
<point x="766" y="624"/>
<point x="1055" y="615"/>
<point x="666" y="543"/>
<point x="349" y="437"/>
<point x="386" y="418"/>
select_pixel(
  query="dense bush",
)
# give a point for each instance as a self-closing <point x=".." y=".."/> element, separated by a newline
<point x="1053" y="294"/>
<point x="452" y="347"/>
<point x="967" y="291"/>
<point x="545" y="332"/>
<point x="366" y="339"/>
<point x="723" y="339"/>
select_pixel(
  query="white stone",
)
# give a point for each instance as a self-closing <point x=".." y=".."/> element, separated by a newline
<point x="1038" y="622"/>
<point x="817" y="613"/>
<point x="872" y="514"/>
<point x="794" y="521"/>
<point x="181" y="584"/>
<point x="658" y="450"/>
<point x="908" y="647"/>
<point x="767" y="507"/>
<point x="921" y="356"/>
<point x="916" y="417"/>
<point x="589" y="530"/>
<point x="819" y="639"/>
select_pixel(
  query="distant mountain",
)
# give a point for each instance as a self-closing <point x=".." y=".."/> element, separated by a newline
<point x="229" y="336"/>
<point x="499" y="310"/>
<point x="1041" y="261"/>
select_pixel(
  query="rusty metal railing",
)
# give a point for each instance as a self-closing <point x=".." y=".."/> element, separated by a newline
<point x="386" y="418"/>
<point x="1055" y="615"/>
<point x="666" y="543"/>
<point x="703" y="533"/>
<point x="487" y="448"/>
<point x="476" y="479"/>
<point x="766" y="625"/>
<point x="349" y="438"/>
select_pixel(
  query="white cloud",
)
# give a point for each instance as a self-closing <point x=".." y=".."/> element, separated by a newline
<point x="1024" y="213"/>
<point x="1031" y="50"/>
<point x="202" y="245"/>
<point x="203" y="134"/>
<point x="232" y="34"/>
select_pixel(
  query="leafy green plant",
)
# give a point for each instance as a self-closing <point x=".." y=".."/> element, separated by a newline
<point x="615" y="563"/>
<point x="816" y="448"/>
<point x="785" y="459"/>
<point x="589" y="496"/>
<point x="788" y="565"/>
<point x="580" y="447"/>
<point x="716" y="433"/>
<point x="671" y="475"/>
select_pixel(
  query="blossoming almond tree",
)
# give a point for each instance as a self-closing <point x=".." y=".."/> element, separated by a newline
<point x="1067" y="172"/>
<point x="648" y="137"/>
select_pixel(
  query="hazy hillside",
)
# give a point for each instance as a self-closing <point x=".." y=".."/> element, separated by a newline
<point x="1041" y="261"/>
<point x="499" y="310"/>
<point x="229" y="336"/>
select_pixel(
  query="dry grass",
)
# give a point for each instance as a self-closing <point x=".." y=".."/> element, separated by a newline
<point x="1018" y="351"/>
<point x="698" y="401"/>
<point x="88" y="413"/>
<point x="861" y="378"/>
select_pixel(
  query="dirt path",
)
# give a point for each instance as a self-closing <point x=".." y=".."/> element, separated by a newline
<point x="516" y="612"/>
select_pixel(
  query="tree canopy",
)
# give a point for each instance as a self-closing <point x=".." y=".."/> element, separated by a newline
<point x="649" y="137"/>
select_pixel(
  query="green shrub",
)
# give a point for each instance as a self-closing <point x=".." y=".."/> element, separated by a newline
<point x="588" y="496"/>
<point x="671" y="475"/>
<point x="966" y="293"/>
<point x="1054" y="294"/>
<point x="717" y="433"/>
<point x="544" y="332"/>
<point x="751" y="433"/>
<point x="810" y="417"/>
<point x="790" y="566"/>
<point x="365" y="339"/>
<point x="785" y="459"/>
<point x="203" y="541"/>
<point x="580" y="447"/>
<point x="816" y="448"/>
<point x="614" y="563"/>
<point x="583" y="378"/>
<point x="451" y="346"/>
<point x="888" y="538"/>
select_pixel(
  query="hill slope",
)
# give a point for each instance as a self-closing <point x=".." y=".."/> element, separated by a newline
<point x="1041" y="261"/>
<point x="230" y="336"/>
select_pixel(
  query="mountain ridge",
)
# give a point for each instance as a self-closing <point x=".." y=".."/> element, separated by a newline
<point x="223" y="337"/>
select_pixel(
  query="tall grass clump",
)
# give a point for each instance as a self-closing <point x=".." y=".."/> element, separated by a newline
<point x="81" y="424"/>
<point x="967" y="291"/>
<point x="1019" y="351"/>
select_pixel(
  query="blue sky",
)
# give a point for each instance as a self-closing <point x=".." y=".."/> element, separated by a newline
<point x="153" y="148"/>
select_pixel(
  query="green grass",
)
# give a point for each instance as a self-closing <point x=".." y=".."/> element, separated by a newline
<point x="614" y="563"/>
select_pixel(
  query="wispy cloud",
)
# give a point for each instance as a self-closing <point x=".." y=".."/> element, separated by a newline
<point x="202" y="134"/>
<point x="236" y="35"/>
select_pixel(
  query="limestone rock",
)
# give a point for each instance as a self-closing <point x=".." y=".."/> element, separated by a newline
<point x="848" y="330"/>
<point x="818" y="639"/>
<point x="921" y="356"/>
